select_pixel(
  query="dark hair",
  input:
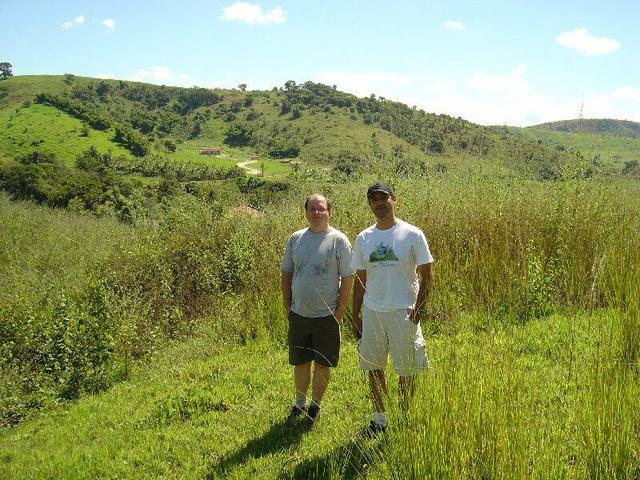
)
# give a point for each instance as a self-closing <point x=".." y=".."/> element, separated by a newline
<point x="306" y="202"/>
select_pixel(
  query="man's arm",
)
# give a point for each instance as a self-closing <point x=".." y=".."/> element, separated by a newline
<point x="285" y="283"/>
<point x="425" y="274"/>
<point x="360" y="282"/>
<point x="346" y="285"/>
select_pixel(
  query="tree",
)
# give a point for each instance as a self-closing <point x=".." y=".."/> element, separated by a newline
<point x="6" y="70"/>
<point x="243" y="86"/>
<point x="103" y="89"/>
<point x="238" y="134"/>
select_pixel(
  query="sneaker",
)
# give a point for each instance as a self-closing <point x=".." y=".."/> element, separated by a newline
<point x="313" y="412"/>
<point x="374" y="429"/>
<point x="296" y="412"/>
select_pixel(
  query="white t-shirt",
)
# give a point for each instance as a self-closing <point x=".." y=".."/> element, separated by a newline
<point x="390" y="258"/>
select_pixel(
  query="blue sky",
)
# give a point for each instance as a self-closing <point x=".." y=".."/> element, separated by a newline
<point x="491" y="62"/>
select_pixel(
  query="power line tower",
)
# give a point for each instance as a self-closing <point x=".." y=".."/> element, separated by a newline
<point x="580" y="115"/>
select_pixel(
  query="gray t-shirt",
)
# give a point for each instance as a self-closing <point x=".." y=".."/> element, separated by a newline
<point x="318" y="262"/>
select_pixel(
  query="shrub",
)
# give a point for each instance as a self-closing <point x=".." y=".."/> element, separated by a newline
<point x="238" y="134"/>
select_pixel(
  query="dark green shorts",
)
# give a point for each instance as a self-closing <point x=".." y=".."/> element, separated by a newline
<point x="313" y="339"/>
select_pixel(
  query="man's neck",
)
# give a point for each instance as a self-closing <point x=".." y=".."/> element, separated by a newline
<point x="319" y="228"/>
<point x="386" y="223"/>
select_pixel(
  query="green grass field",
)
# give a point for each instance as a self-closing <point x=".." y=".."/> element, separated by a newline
<point x="48" y="130"/>
<point x="25" y="87"/>
<point x="616" y="150"/>
<point x="543" y="400"/>
<point x="189" y="151"/>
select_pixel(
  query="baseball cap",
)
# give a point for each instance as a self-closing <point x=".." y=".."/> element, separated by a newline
<point x="379" y="187"/>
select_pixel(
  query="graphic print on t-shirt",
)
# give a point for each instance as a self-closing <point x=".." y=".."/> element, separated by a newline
<point x="383" y="253"/>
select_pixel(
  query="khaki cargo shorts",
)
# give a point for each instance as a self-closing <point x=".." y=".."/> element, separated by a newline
<point x="391" y="332"/>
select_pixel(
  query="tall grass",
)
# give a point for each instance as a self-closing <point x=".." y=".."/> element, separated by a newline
<point x="542" y="400"/>
<point x="509" y="396"/>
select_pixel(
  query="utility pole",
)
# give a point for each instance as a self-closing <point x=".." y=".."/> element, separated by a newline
<point x="580" y="115"/>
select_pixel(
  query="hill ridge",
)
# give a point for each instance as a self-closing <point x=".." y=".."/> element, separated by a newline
<point x="602" y="126"/>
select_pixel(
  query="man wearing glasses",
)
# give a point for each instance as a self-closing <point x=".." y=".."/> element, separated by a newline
<point x="316" y="282"/>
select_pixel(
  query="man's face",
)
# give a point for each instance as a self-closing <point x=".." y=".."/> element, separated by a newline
<point x="382" y="204"/>
<point x="318" y="213"/>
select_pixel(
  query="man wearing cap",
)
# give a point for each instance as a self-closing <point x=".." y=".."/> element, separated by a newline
<point x="316" y="283"/>
<point x="393" y="280"/>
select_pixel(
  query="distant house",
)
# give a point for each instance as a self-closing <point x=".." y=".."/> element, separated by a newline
<point x="254" y="158"/>
<point x="210" y="151"/>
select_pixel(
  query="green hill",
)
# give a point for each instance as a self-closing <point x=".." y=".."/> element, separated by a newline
<point x="600" y="126"/>
<point x="47" y="129"/>
<point x="607" y="152"/>
<point x="123" y="147"/>
<point x="312" y="123"/>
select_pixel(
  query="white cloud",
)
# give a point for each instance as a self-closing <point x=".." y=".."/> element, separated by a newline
<point x="454" y="25"/>
<point x="622" y="103"/>
<point x="79" y="20"/>
<point x="364" y="84"/>
<point x="581" y="40"/>
<point x="105" y="76"/>
<point x="161" y="75"/>
<point x="507" y="84"/>
<point x="519" y="70"/>
<point x="110" y="23"/>
<point x="157" y="74"/>
<point x="489" y="99"/>
<point x="523" y="108"/>
<point x="252" y="14"/>
<point x="627" y="93"/>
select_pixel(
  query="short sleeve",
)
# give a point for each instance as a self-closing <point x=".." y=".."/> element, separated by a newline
<point x="344" y="257"/>
<point x="286" y="265"/>
<point x="421" y="249"/>
<point x="357" y="261"/>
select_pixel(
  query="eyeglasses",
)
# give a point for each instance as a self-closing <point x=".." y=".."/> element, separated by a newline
<point x="316" y="210"/>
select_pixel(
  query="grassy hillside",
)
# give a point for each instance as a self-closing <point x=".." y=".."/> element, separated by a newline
<point x="600" y="126"/>
<point x="48" y="130"/>
<point x="608" y="153"/>
<point x="16" y="90"/>
<point x="310" y="123"/>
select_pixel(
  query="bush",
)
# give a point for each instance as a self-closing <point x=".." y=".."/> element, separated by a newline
<point x="238" y="134"/>
<point x="131" y="140"/>
<point x="76" y="109"/>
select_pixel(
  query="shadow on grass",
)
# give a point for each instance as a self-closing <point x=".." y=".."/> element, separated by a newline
<point x="280" y="436"/>
<point x="348" y="462"/>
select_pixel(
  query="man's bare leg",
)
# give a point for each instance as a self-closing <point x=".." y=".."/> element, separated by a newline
<point x="378" y="388"/>
<point x="302" y="380"/>
<point x="321" y="375"/>
<point x="407" y="389"/>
